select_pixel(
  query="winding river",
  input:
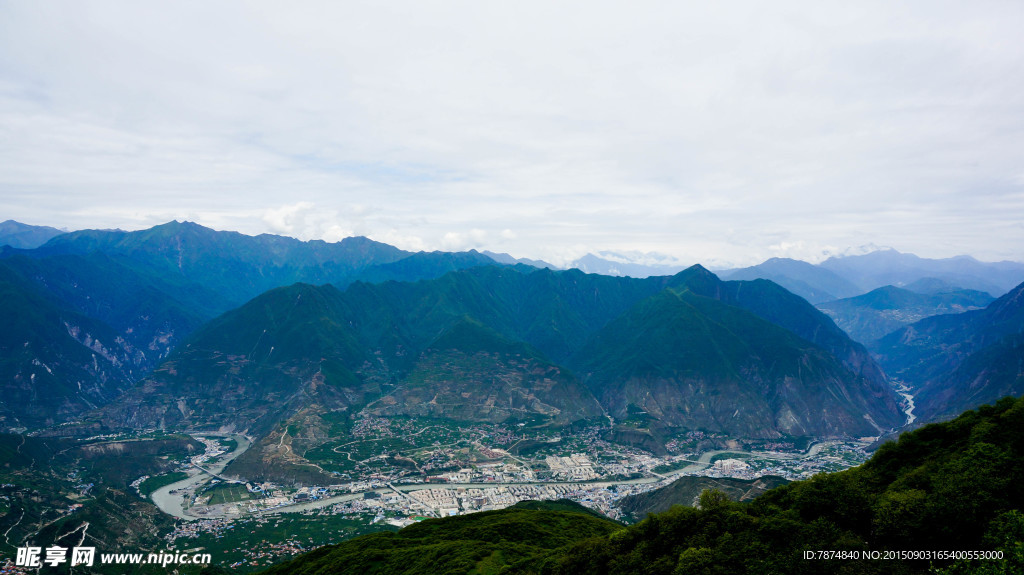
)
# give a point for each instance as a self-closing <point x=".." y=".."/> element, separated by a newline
<point x="175" y="503"/>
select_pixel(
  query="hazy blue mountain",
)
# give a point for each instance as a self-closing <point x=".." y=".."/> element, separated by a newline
<point x="872" y="315"/>
<point x="503" y="258"/>
<point x="958" y="361"/>
<point x="234" y="265"/>
<point x="612" y="264"/>
<point x="149" y="311"/>
<point x="811" y="282"/>
<point x="24" y="236"/>
<point x="54" y="363"/>
<point x="238" y="267"/>
<point x="422" y="265"/>
<point x="890" y="267"/>
<point x="932" y="286"/>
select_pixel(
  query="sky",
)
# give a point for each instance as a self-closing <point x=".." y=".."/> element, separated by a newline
<point x="723" y="133"/>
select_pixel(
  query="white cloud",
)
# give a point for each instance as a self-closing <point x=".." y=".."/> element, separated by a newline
<point x="703" y="131"/>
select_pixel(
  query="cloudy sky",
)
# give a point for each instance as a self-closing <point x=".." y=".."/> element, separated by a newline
<point x="723" y="132"/>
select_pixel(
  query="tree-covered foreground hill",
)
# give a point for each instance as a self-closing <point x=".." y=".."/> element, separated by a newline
<point x="951" y="486"/>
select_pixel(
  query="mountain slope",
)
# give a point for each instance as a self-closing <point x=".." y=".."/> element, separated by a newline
<point x="236" y="266"/>
<point x="890" y="267"/>
<point x="151" y="312"/>
<point x="54" y="363"/>
<point x="482" y="542"/>
<point x="252" y="367"/>
<point x="24" y="236"/>
<point x="811" y="282"/>
<point x="695" y="362"/>
<point x="872" y="315"/>
<point x="504" y="344"/>
<point x="472" y="373"/>
<point x="954" y="361"/>
<point x="687" y="490"/>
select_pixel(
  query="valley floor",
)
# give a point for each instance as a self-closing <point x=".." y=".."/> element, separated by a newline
<point x="443" y="470"/>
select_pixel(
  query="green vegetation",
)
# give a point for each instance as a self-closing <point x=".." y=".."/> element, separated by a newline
<point x="687" y="489"/>
<point x="670" y="467"/>
<point x="701" y="360"/>
<point x="485" y="542"/>
<point x="153" y="483"/>
<point x="258" y="542"/>
<point x="945" y="486"/>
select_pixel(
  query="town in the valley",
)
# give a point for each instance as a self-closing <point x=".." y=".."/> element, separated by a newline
<point x="392" y="473"/>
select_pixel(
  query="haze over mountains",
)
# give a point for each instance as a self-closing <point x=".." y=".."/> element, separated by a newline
<point x="460" y="335"/>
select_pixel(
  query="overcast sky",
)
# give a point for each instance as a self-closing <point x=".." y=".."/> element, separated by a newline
<point x="714" y="132"/>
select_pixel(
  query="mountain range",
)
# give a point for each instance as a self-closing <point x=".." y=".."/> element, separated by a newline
<point x="870" y="316"/>
<point x="958" y="361"/>
<point x="173" y="325"/>
<point x="849" y="276"/>
<point x="493" y="344"/>
<point x="132" y="297"/>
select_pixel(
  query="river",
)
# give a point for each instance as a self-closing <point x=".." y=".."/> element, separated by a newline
<point x="174" y="503"/>
<point x="903" y="390"/>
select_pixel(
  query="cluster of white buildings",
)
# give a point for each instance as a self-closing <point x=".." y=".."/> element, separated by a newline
<point x="576" y="467"/>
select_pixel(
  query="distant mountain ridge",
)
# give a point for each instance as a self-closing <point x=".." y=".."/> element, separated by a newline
<point x="959" y="361"/>
<point x="145" y="292"/>
<point x="25" y="236"/>
<point x="849" y="276"/>
<point x="890" y="267"/>
<point x="811" y="282"/>
<point x="612" y="264"/>
<point x="871" y="316"/>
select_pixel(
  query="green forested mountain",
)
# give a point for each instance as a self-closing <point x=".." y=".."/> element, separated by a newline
<point x="687" y="491"/>
<point x="871" y="316"/>
<point x="500" y="344"/>
<point x="472" y="373"/>
<point x="692" y="361"/>
<point x="944" y="487"/>
<point x="140" y="294"/>
<point x="958" y="361"/>
<point x="484" y="542"/>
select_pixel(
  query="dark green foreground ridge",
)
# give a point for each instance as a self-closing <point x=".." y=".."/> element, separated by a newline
<point x="951" y="486"/>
